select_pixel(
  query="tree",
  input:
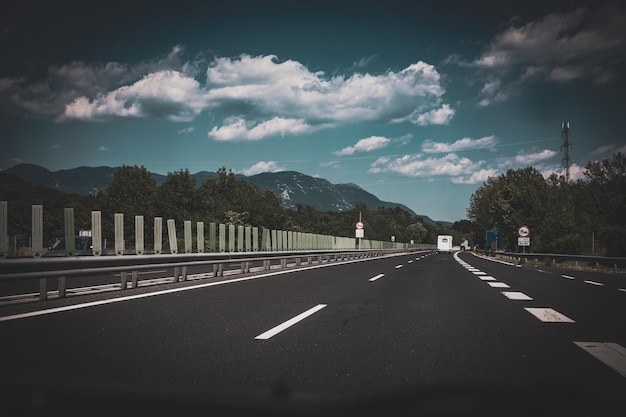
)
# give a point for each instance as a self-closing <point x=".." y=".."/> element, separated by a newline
<point x="177" y="197"/>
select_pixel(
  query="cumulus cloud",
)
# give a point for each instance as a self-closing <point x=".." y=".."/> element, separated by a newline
<point x="416" y="165"/>
<point x="262" y="166"/>
<point x="165" y="94"/>
<point x="239" y="129"/>
<point x="266" y="86"/>
<point x="534" y="157"/>
<point x="464" y="144"/>
<point x="477" y="177"/>
<point x="365" y="145"/>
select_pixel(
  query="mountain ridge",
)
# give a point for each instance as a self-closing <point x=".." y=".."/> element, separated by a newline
<point x="295" y="188"/>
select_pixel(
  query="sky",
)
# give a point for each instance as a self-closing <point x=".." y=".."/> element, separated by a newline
<point x="416" y="102"/>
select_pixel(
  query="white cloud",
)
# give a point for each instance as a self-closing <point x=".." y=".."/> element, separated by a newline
<point x="102" y="149"/>
<point x="477" y="177"/>
<point x="55" y="147"/>
<point x="364" y="145"/>
<point x="464" y="144"/>
<point x="238" y="129"/>
<point x="416" y="165"/>
<point x="436" y="116"/>
<point x="533" y="158"/>
<point x="165" y="94"/>
<point x="262" y="166"/>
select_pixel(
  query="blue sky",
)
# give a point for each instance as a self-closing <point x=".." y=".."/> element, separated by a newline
<point x="417" y="103"/>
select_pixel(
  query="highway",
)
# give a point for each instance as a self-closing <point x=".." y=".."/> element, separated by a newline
<point x="428" y="334"/>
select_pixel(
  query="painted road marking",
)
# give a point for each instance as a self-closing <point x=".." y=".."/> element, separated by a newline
<point x="611" y="354"/>
<point x="549" y="315"/>
<point x="498" y="285"/>
<point x="410" y="261"/>
<point x="487" y="278"/>
<point x="399" y="266"/>
<point x="478" y="273"/>
<point x="567" y="276"/>
<point x="621" y="289"/>
<point x="593" y="283"/>
<point x="376" y="277"/>
<point x="516" y="295"/>
<point x="275" y="330"/>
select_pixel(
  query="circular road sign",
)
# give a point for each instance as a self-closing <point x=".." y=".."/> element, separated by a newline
<point x="523" y="231"/>
<point x="359" y="225"/>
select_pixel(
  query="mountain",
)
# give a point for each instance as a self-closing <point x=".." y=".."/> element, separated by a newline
<point x="294" y="187"/>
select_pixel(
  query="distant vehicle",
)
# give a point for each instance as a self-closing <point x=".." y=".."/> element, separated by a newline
<point x="444" y="243"/>
<point x="83" y="247"/>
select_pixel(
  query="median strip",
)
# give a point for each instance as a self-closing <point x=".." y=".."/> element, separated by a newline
<point x="275" y="330"/>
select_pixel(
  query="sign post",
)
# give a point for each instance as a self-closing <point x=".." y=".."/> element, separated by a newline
<point x="523" y="238"/>
<point x="360" y="230"/>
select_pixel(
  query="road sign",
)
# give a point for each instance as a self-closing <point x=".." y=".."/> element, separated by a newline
<point x="523" y="241"/>
<point x="523" y="231"/>
<point x="359" y="225"/>
<point x="360" y="233"/>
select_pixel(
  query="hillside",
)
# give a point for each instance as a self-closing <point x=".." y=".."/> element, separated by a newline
<point x="294" y="187"/>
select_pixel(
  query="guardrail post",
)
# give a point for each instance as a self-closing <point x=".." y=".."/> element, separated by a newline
<point x="62" y="287"/>
<point x="187" y="229"/>
<point x="4" y="237"/>
<point x="123" y="280"/>
<point x="283" y="263"/>
<point x="176" y="274"/>
<point x="139" y="246"/>
<point x="96" y="233"/>
<point x="70" y="243"/>
<point x="43" y="289"/>
<point x="158" y="235"/>
<point x="184" y="273"/>
<point x="119" y="234"/>
<point x="171" y="234"/>
<point x="134" y="275"/>
<point x="37" y="232"/>
<point x="220" y="270"/>
<point x="200" y="236"/>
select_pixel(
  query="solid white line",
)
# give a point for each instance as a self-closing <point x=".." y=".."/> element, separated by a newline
<point x="549" y="315"/>
<point x="274" y="331"/>
<point x="376" y="277"/>
<point x="593" y="283"/>
<point x="611" y="354"/>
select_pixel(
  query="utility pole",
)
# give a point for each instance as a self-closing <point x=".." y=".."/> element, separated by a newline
<point x="566" y="147"/>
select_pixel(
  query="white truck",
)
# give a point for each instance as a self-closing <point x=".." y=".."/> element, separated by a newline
<point x="444" y="243"/>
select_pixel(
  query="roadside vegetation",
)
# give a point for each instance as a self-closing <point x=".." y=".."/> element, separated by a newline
<point x="224" y="199"/>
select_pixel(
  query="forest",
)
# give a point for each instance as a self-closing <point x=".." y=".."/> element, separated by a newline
<point x="582" y="217"/>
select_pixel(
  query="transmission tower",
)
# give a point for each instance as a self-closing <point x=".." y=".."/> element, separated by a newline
<point x="565" y="148"/>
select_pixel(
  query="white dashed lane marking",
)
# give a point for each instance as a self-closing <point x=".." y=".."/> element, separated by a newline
<point x="516" y="295"/>
<point x="549" y="315"/>
<point x="611" y="354"/>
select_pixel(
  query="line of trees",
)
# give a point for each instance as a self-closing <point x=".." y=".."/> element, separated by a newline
<point x="223" y="199"/>
<point x="574" y="217"/>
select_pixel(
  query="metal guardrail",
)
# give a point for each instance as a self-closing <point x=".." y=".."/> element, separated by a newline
<point x="613" y="262"/>
<point x="131" y="266"/>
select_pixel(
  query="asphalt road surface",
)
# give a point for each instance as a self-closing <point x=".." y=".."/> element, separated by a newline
<point x="426" y="335"/>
